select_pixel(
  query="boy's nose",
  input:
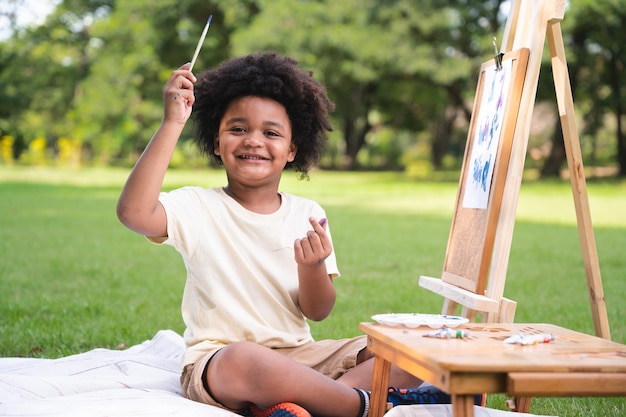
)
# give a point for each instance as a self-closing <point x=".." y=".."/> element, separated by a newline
<point x="254" y="138"/>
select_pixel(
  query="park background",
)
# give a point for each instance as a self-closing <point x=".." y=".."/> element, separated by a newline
<point x="80" y="96"/>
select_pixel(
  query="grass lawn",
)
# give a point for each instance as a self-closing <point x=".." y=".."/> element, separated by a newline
<point x="72" y="278"/>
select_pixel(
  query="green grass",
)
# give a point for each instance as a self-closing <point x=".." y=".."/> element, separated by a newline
<point x="72" y="278"/>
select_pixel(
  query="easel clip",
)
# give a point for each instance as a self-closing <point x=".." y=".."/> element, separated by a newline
<point x="498" y="56"/>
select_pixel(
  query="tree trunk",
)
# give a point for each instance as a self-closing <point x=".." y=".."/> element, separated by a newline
<point x="355" y="140"/>
<point x="621" y="148"/>
<point x="554" y="161"/>
<point x="442" y="133"/>
<point x="616" y="87"/>
<point x="356" y="124"/>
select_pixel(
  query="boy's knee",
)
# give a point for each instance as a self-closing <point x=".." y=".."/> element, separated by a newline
<point x="238" y="353"/>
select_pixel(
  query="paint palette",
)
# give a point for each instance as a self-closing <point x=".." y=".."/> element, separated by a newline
<point x="413" y="320"/>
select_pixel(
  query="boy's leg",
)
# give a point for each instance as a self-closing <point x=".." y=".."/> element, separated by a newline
<point x="244" y="373"/>
<point x="361" y="375"/>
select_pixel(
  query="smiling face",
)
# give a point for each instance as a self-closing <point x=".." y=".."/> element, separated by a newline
<point x="254" y="141"/>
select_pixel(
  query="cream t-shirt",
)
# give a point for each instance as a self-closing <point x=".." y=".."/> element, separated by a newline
<point x="242" y="282"/>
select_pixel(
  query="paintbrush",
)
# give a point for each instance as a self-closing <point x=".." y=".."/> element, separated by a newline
<point x="200" y="42"/>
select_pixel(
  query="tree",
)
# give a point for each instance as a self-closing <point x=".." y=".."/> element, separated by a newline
<point x="134" y="48"/>
<point x="95" y="70"/>
<point x="38" y="77"/>
<point x="394" y="58"/>
<point x="596" y="62"/>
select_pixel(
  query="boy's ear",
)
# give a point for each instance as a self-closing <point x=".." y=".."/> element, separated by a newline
<point x="293" y="149"/>
<point x="216" y="145"/>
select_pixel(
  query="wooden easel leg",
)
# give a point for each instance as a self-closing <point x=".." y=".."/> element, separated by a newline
<point x="506" y="313"/>
<point x="577" y="178"/>
<point x="449" y="307"/>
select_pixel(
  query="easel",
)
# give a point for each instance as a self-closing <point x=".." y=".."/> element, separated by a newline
<point x="465" y="281"/>
<point x="529" y="23"/>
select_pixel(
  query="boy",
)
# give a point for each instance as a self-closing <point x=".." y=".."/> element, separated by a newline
<point x="259" y="261"/>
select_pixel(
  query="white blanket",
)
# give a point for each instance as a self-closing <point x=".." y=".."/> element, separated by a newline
<point x="142" y="380"/>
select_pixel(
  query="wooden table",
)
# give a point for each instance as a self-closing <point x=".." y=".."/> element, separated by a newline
<point x="574" y="364"/>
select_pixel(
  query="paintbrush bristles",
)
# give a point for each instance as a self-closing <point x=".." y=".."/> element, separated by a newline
<point x="200" y="42"/>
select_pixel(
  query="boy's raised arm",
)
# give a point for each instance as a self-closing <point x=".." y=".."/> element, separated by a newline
<point x="138" y="207"/>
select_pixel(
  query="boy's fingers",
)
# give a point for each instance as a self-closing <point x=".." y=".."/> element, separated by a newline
<point x="322" y="222"/>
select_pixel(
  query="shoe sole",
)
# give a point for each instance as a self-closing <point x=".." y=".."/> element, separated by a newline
<point x="281" y="410"/>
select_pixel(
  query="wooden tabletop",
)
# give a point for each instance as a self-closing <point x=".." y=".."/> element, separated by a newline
<point x="484" y="349"/>
<point x="573" y="363"/>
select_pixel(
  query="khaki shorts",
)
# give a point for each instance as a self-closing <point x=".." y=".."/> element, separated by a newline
<point x="332" y="358"/>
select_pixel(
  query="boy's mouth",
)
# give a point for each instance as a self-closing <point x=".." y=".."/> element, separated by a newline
<point x="253" y="157"/>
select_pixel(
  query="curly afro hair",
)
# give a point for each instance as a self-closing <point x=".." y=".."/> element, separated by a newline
<point x="268" y="75"/>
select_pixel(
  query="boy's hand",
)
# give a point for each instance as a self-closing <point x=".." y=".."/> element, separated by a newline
<point x="315" y="247"/>
<point x="178" y="97"/>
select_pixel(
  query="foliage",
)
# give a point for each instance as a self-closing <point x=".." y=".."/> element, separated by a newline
<point x="601" y="59"/>
<point x="403" y="77"/>
<point x="403" y="63"/>
<point x="594" y="42"/>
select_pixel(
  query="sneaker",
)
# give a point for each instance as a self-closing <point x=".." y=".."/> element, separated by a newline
<point x="424" y="394"/>
<point x="280" y="410"/>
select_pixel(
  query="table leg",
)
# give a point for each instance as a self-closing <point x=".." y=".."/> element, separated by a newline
<point x="522" y="404"/>
<point x="380" y="387"/>
<point x="462" y="405"/>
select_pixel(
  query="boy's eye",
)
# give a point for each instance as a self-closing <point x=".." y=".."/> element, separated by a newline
<point x="237" y="129"/>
